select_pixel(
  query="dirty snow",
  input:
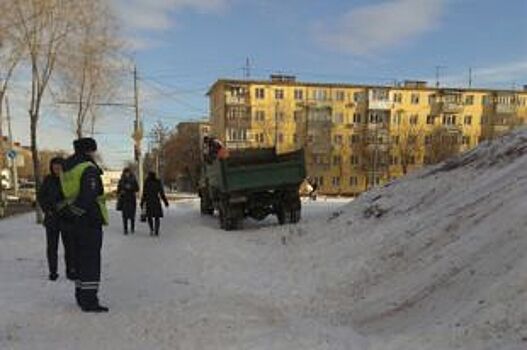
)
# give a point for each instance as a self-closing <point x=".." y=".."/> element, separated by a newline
<point x="435" y="261"/>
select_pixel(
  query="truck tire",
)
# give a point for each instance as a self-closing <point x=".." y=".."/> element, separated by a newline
<point x="294" y="216"/>
<point x="205" y="207"/>
<point x="231" y="218"/>
<point x="282" y="215"/>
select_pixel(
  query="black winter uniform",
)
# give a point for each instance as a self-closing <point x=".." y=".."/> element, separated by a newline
<point x="87" y="232"/>
<point x="127" y="190"/>
<point x="49" y="196"/>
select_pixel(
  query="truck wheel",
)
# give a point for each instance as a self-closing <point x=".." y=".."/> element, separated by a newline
<point x="281" y="214"/>
<point x="222" y="218"/>
<point x="294" y="216"/>
<point x="205" y="207"/>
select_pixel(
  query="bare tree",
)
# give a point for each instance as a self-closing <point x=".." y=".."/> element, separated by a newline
<point x="444" y="143"/>
<point x="407" y="144"/>
<point x="42" y="27"/>
<point x="88" y="76"/>
<point x="11" y="52"/>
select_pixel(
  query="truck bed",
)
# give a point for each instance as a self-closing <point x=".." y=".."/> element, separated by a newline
<point x="257" y="170"/>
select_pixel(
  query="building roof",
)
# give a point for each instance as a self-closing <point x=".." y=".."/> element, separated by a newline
<point x="348" y="85"/>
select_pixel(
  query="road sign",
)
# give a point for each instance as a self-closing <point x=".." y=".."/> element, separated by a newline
<point x="11" y="154"/>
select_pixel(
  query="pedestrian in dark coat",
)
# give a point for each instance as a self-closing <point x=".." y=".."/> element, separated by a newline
<point x="153" y="193"/>
<point x="49" y="197"/>
<point x="127" y="201"/>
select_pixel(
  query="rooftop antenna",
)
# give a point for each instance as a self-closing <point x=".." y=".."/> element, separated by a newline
<point x="470" y="77"/>
<point x="247" y="68"/>
<point x="438" y="71"/>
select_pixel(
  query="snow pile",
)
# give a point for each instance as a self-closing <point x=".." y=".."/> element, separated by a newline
<point x="437" y="260"/>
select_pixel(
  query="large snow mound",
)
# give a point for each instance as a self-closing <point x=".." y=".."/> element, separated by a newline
<point x="436" y="260"/>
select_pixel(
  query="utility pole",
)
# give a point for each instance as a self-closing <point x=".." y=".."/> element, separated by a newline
<point x="138" y="133"/>
<point x="14" y="165"/>
<point x="470" y="77"/>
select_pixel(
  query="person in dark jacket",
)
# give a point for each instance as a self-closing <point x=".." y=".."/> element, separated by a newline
<point x="83" y="191"/>
<point x="153" y="193"/>
<point x="49" y="197"/>
<point x="127" y="202"/>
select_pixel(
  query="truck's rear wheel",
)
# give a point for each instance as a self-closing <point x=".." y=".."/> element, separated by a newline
<point x="230" y="218"/>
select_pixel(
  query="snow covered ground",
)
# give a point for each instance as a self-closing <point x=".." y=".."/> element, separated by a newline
<point x="435" y="261"/>
<point x="195" y="287"/>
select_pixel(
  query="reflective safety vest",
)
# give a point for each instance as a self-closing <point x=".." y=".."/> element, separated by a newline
<point x="71" y="185"/>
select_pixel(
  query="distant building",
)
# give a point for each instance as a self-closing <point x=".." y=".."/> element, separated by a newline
<point x="110" y="180"/>
<point x="188" y="144"/>
<point x="360" y="136"/>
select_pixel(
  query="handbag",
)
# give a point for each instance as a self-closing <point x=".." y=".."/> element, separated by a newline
<point x="119" y="204"/>
<point x="143" y="214"/>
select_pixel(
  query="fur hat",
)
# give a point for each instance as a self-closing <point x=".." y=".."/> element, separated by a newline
<point x="85" y="145"/>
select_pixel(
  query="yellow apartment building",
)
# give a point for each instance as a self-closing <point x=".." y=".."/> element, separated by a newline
<point x="359" y="136"/>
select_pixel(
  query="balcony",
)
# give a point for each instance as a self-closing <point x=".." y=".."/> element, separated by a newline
<point x="236" y="99"/>
<point x="443" y="107"/>
<point x="319" y="148"/>
<point x="383" y="105"/>
<point x="503" y="108"/>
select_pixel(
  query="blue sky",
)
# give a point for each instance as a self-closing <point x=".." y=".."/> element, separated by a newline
<point x="182" y="46"/>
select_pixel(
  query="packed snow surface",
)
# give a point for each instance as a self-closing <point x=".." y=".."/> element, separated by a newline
<point x="437" y="260"/>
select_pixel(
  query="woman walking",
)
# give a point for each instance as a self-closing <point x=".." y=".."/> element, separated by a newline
<point x="127" y="201"/>
<point x="153" y="193"/>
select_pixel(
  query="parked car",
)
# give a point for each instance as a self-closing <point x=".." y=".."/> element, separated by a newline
<point x="27" y="192"/>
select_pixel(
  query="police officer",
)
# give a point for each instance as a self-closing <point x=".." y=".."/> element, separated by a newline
<point x="83" y="190"/>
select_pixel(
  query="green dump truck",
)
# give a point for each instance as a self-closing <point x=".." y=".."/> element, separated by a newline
<point x="252" y="183"/>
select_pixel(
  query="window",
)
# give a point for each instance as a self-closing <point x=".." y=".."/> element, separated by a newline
<point x="466" y="140"/>
<point x="279" y="94"/>
<point x="354" y="139"/>
<point x="414" y="119"/>
<point x="280" y="116"/>
<point x="237" y="134"/>
<point x="320" y="95"/>
<point x="259" y="116"/>
<point x="336" y="181"/>
<point x="299" y="94"/>
<point x="449" y="120"/>
<point x="430" y="120"/>
<point x="485" y="100"/>
<point x="354" y="181"/>
<point x="295" y="138"/>
<point x="468" y="120"/>
<point x="415" y="99"/>
<point x="280" y="138"/>
<point x="260" y="138"/>
<point x="340" y="95"/>
<point x="398" y="97"/>
<point x="338" y="118"/>
<point x="396" y="139"/>
<point x="397" y="119"/>
<point x="336" y="160"/>
<point x="358" y="97"/>
<point x="259" y="93"/>
<point x="412" y="139"/>
<point x="297" y="116"/>
<point x="469" y="100"/>
<point x="356" y="118"/>
<point x="337" y="139"/>
<point x="394" y="160"/>
<point x="354" y="160"/>
<point x="411" y="160"/>
<point x="428" y="140"/>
